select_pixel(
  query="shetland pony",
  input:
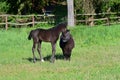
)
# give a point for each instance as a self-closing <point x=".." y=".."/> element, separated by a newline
<point x="66" y="44"/>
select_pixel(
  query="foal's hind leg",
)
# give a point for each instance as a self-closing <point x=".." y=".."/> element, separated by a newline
<point x="33" y="49"/>
<point x="39" y="51"/>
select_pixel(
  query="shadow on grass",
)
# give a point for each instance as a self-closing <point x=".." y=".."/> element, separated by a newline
<point x="47" y="58"/>
<point x="30" y="59"/>
<point x="57" y="56"/>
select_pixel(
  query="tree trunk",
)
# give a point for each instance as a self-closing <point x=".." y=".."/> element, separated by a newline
<point x="70" y="7"/>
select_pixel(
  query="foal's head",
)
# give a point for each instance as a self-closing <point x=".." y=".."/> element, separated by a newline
<point x="62" y="26"/>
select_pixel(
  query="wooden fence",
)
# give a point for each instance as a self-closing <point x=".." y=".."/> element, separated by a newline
<point x="97" y="19"/>
<point x="88" y="19"/>
<point x="19" y="20"/>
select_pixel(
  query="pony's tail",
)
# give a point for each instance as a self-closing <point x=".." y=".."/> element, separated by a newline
<point x="30" y="36"/>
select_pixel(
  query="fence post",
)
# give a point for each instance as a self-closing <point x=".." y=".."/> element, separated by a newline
<point x="108" y="21"/>
<point x="108" y="18"/>
<point x="6" y="21"/>
<point x="33" y="21"/>
<point x="91" y="21"/>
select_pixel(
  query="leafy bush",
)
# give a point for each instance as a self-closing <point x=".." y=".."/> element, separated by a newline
<point x="3" y="7"/>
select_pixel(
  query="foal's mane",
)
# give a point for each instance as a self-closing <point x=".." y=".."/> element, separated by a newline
<point x="60" y="25"/>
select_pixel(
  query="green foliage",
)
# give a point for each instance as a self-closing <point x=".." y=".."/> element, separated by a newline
<point x="3" y="7"/>
<point x="61" y="13"/>
<point x="26" y="6"/>
<point x="99" y="5"/>
<point x="78" y="5"/>
<point x="36" y="6"/>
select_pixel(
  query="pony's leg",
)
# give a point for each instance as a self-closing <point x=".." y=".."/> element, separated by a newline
<point x="67" y="55"/>
<point x="33" y="49"/>
<point x="53" y="52"/>
<point x="39" y="51"/>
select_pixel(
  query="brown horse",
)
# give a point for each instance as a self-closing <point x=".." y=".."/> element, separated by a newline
<point x="66" y="44"/>
<point x="47" y="35"/>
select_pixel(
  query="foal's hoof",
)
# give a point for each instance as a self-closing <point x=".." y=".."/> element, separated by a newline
<point x="42" y="60"/>
<point x="34" y="61"/>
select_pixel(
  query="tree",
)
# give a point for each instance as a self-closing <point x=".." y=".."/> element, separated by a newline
<point x="26" y="6"/>
<point x="89" y="8"/>
<point x="3" y="7"/>
<point x="70" y="12"/>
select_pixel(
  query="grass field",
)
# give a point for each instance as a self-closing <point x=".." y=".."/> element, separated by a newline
<point x="96" y="56"/>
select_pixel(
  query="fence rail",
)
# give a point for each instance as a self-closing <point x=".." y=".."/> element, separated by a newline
<point x="92" y="19"/>
<point x="20" y="20"/>
<point x="105" y="18"/>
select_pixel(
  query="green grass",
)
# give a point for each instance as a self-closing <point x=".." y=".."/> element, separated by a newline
<point x="96" y="56"/>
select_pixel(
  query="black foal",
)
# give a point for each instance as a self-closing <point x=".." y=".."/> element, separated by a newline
<point x="47" y="35"/>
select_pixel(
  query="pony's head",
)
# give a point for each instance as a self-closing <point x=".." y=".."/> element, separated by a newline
<point x="65" y="35"/>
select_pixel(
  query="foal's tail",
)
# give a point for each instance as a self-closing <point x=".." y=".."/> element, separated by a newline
<point x="30" y="35"/>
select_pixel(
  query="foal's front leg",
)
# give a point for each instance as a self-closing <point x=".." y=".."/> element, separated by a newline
<point x="53" y="52"/>
<point x="39" y="51"/>
<point x="33" y="49"/>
